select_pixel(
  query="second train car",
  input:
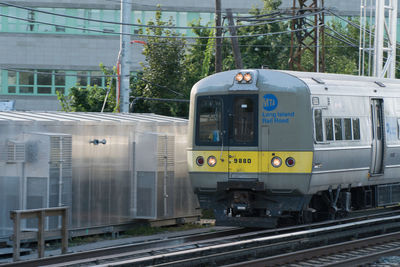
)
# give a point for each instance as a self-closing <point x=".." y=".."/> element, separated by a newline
<point x="267" y="147"/>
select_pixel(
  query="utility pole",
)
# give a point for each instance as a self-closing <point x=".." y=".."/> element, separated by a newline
<point x="125" y="55"/>
<point x="307" y="40"/>
<point x="218" y="34"/>
<point x="234" y="39"/>
<point x="387" y="68"/>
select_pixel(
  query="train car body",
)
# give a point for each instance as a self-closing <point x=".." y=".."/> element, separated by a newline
<point x="266" y="146"/>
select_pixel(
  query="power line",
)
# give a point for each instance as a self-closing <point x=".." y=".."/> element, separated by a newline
<point x="258" y="16"/>
<point x="354" y="24"/>
<point x="158" y="26"/>
<point x="159" y="36"/>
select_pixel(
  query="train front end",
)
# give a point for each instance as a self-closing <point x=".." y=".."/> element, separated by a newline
<point x="250" y="146"/>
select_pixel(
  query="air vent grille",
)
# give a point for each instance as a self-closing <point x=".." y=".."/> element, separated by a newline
<point x="15" y="152"/>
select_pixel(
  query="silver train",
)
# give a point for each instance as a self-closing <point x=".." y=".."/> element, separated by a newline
<point x="269" y="147"/>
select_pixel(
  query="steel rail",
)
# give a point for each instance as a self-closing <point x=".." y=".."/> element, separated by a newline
<point x="330" y="251"/>
<point x="243" y="249"/>
<point x="203" y="240"/>
<point x="127" y="248"/>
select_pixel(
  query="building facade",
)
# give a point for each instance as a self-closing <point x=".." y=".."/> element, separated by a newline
<point x="45" y="47"/>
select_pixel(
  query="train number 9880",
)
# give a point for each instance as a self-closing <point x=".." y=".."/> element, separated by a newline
<point x="248" y="161"/>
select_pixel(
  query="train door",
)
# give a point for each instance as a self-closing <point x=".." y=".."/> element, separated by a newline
<point x="377" y="146"/>
<point x="242" y="136"/>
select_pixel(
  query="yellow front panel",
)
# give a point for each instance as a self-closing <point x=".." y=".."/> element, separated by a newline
<point x="221" y="166"/>
<point x="251" y="161"/>
<point x="244" y="161"/>
<point x="303" y="161"/>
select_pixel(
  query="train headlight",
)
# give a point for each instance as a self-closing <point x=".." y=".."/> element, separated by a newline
<point x="247" y="77"/>
<point x="290" y="162"/>
<point x="276" y="162"/>
<point x="211" y="161"/>
<point x="200" y="161"/>
<point x="239" y="77"/>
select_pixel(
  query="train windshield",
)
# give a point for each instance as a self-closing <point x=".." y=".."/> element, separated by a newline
<point x="227" y="120"/>
<point x="243" y="120"/>
<point x="209" y="119"/>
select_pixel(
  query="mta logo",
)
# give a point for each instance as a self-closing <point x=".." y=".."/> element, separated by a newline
<point x="270" y="102"/>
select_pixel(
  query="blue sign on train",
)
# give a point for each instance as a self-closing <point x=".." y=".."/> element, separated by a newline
<point x="271" y="116"/>
<point x="270" y="102"/>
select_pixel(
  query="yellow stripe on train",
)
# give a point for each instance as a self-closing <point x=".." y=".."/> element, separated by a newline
<point x="251" y="161"/>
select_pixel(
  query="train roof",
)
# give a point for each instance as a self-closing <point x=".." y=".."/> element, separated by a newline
<point x="344" y="84"/>
<point x="310" y="82"/>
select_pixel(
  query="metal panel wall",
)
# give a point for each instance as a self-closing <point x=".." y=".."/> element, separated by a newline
<point x="110" y="165"/>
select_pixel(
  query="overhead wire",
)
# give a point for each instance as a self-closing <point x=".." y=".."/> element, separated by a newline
<point x="258" y="16"/>
<point x="239" y="18"/>
<point x="157" y="26"/>
<point x="354" y="24"/>
<point x="155" y="36"/>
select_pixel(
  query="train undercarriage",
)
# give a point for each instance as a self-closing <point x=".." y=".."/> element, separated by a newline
<point x="248" y="204"/>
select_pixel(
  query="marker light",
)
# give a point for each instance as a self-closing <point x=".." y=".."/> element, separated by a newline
<point x="290" y="162"/>
<point x="239" y="77"/>
<point x="276" y="162"/>
<point x="247" y="77"/>
<point x="211" y="161"/>
<point x="200" y="161"/>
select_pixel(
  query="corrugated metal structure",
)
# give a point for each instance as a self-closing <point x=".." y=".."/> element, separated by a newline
<point x="109" y="168"/>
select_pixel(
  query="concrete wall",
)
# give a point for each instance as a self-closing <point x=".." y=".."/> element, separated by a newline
<point x="36" y="103"/>
<point x="62" y="51"/>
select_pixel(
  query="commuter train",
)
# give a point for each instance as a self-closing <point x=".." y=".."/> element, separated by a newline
<point x="268" y="147"/>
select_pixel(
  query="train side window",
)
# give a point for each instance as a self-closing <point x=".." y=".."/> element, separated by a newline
<point x="356" y="129"/>
<point x="209" y="120"/>
<point x="347" y="129"/>
<point x="318" y="125"/>
<point x="329" y="129"/>
<point x="338" y="129"/>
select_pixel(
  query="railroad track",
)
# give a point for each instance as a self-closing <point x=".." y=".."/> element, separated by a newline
<point x="351" y="253"/>
<point x="228" y="247"/>
<point x="240" y="253"/>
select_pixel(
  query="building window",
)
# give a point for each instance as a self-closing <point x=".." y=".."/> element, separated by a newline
<point x="59" y="23"/>
<point x="59" y="80"/>
<point x="82" y="78"/>
<point x="35" y="82"/>
<point x="96" y="78"/>
<point x="26" y="82"/>
<point x="92" y="78"/>
<point x="31" y="21"/>
<point x="12" y="82"/>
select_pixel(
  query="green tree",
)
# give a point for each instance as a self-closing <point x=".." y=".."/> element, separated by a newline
<point x="163" y="74"/>
<point x="199" y="59"/>
<point x="271" y="51"/>
<point x="341" y="48"/>
<point x="341" y="57"/>
<point x="90" y="98"/>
